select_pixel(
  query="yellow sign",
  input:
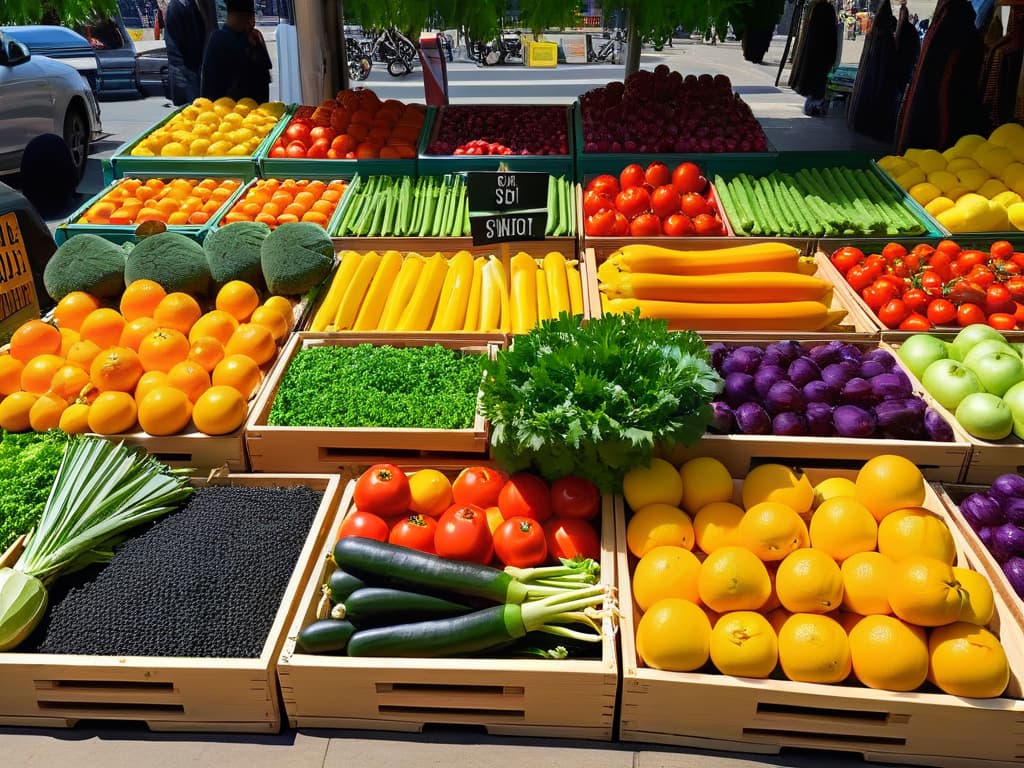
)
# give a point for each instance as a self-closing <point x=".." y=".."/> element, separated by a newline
<point x="18" y="301"/>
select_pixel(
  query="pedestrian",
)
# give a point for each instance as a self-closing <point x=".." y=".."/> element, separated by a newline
<point x="237" y="63"/>
<point x="189" y="25"/>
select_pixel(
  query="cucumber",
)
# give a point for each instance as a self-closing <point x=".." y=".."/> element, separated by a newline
<point x="470" y="633"/>
<point x="325" y="636"/>
<point x="341" y="584"/>
<point x="379" y="606"/>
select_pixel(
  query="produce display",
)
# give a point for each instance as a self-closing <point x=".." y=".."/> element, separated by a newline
<point x="938" y="286"/>
<point x="28" y="466"/>
<point x="436" y="206"/>
<point x="815" y="201"/>
<point x="974" y="186"/>
<point x="221" y="538"/>
<point x="212" y="129"/>
<point x="500" y="130"/>
<point x="843" y="578"/>
<point x="430" y="387"/>
<point x="662" y="111"/>
<point x="274" y="202"/>
<point x="410" y="292"/>
<point x="763" y="287"/>
<point x="646" y="202"/>
<point x="172" y="201"/>
<point x="355" y="125"/>
<point x="979" y="377"/>
<point x="832" y="389"/>
<point x="997" y="516"/>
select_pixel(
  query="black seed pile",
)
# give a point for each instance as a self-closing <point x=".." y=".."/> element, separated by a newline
<point x="205" y="581"/>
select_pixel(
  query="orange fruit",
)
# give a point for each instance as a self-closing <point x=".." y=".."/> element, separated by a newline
<point x="83" y="352"/>
<point x="238" y="299"/>
<point x="73" y="308"/>
<point x="705" y="480"/>
<point x="814" y="649"/>
<point x="75" y="419"/>
<point x="67" y="338"/>
<point x="163" y="349"/>
<point x="219" y="410"/>
<point x="674" y="635"/>
<point x="38" y="373"/>
<point x="239" y="372"/>
<point x="809" y="581"/>
<point x="103" y="326"/>
<point x="34" y="338"/>
<point x="980" y="603"/>
<point x="10" y="374"/>
<point x="14" y="411"/>
<point x="967" y="660"/>
<point x="164" y="411"/>
<point x="254" y="341"/>
<point x="282" y="305"/>
<point x="780" y="484"/>
<point x="842" y="526"/>
<point x="112" y="412"/>
<point x="658" y="525"/>
<point x="866" y="578"/>
<point x="658" y="482"/>
<point x="925" y="591"/>
<point x="140" y="299"/>
<point x="149" y="381"/>
<point x="916" y="531"/>
<point x="889" y="482"/>
<point x="46" y="411"/>
<point x="772" y="530"/>
<point x="206" y="351"/>
<point x="216" y="323"/>
<point x="733" y="579"/>
<point x="715" y="525"/>
<point x="663" y="572"/>
<point x="135" y="331"/>
<point x="743" y="643"/>
<point x="116" y="368"/>
<point x="189" y="377"/>
<point x="431" y="492"/>
<point x="69" y="380"/>
<point x="889" y="654"/>
<point x="178" y="311"/>
<point x="272" y="319"/>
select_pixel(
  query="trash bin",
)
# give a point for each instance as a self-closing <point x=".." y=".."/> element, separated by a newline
<point x="541" y="54"/>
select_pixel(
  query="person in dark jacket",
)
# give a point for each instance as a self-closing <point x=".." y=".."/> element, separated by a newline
<point x="189" y="24"/>
<point x="237" y="64"/>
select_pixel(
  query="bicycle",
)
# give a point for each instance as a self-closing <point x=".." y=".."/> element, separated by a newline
<point x="610" y="50"/>
<point x="396" y="49"/>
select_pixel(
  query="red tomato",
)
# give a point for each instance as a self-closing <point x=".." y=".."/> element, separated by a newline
<point x="846" y="258"/>
<point x="463" y="534"/>
<point x="317" y="151"/>
<point x="931" y="282"/>
<point x="383" y="489"/>
<point x="969" y="314"/>
<point x="859" y="277"/>
<point x="414" y="532"/>
<point x="570" y="538"/>
<point x="657" y="174"/>
<point x="923" y="250"/>
<point x="950" y="247"/>
<point x="694" y="205"/>
<point x="605" y="184"/>
<point x="278" y="151"/>
<point x="520" y="542"/>
<point x="1015" y="285"/>
<point x="601" y="223"/>
<point x="876" y="265"/>
<point x="706" y="224"/>
<point x="916" y="300"/>
<point x="645" y="225"/>
<point x="525" y="495"/>
<point x="665" y="201"/>
<point x="322" y="132"/>
<point x="620" y="227"/>
<point x="594" y="201"/>
<point x="941" y="312"/>
<point x="981" y="275"/>
<point x="893" y="251"/>
<point x="1001" y="249"/>
<point x="941" y="262"/>
<point x="1002" y="321"/>
<point x="575" y="497"/>
<point x="878" y="294"/>
<point x="678" y="225"/>
<point x="297" y="131"/>
<point x="966" y="292"/>
<point x="688" y="178"/>
<point x="893" y="313"/>
<point x="915" y="321"/>
<point x="997" y="298"/>
<point x="364" y="524"/>
<point x="478" y="485"/>
<point x="295" y="149"/>
<point x="970" y="259"/>
<point x="1018" y="312"/>
<point x="633" y="201"/>
<point x="632" y="176"/>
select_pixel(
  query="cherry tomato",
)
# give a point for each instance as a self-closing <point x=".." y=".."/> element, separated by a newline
<point x="594" y="201"/>
<point x="295" y="149"/>
<point x="859" y="277"/>
<point x="383" y="489"/>
<point x="893" y="313"/>
<point x="678" y="225"/>
<point x="1010" y="267"/>
<point x="632" y="176"/>
<point x="694" y="204"/>
<point x="923" y="250"/>
<point x="569" y="538"/>
<point x="846" y="258"/>
<point x="893" y="281"/>
<point x="478" y="485"/>
<point x="1018" y="259"/>
<point x="645" y="225"/>
<point x="575" y="497"/>
<point x="941" y="312"/>
<point x="916" y="300"/>
<point x="364" y="524"/>
<point x="964" y="291"/>
<point x="605" y="184"/>
<point x="1002" y="321"/>
<point x="620" y="227"/>
<point x="687" y="178"/>
<point x="950" y="247"/>
<point x="969" y="314"/>
<point x="600" y="224"/>
<point x="665" y="201"/>
<point x="414" y="532"/>
<point x="941" y="263"/>
<point x="915" y="321"/>
<point x="525" y="495"/>
<point x="876" y="265"/>
<point x="322" y="132"/>
<point x="1001" y="249"/>
<point x="878" y="294"/>
<point x="932" y="282"/>
<point x="1015" y="285"/>
<point x="1018" y="312"/>
<point x="997" y="298"/>
<point x="463" y="534"/>
<point x="893" y="251"/>
<point x="633" y="201"/>
<point x="970" y="259"/>
<point x="298" y="130"/>
<point x="520" y="542"/>
<point x="657" y="174"/>
<point x="981" y="275"/>
<point x="707" y="225"/>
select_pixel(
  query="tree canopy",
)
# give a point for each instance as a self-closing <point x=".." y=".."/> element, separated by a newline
<point x="66" y="12"/>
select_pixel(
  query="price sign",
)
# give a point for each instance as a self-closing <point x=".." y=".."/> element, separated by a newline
<point x="507" y="206"/>
<point x="18" y="301"/>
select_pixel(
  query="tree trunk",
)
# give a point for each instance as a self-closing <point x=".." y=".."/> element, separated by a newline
<point x="633" y="46"/>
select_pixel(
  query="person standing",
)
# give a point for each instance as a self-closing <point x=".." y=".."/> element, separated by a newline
<point x="189" y="25"/>
<point x="237" y="63"/>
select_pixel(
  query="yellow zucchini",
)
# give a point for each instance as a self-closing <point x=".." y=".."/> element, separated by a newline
<point x="769" y="316"/>
<point x="523" y="298"/>
<point x="420" y="310"/>
<point x="558" y="283"/>
<point x="451" y="309"/>
<point x="736" y="287"/>
<point x="764" y="257"/>
<point x="354" y="294"/>
<point x="401" y="292"/>
<point x="329" y="306"/>
<point x="472" y="318"/>
<point x="372" y="310"/>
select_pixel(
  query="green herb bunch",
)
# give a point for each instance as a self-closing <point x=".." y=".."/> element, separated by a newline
<point x="592" y="399"/>
<point x="28" y="465"/>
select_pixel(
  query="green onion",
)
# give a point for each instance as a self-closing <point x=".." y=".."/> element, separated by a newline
<point x="101" y="490"/>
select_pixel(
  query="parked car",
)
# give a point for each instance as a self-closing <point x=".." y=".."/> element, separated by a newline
<point x="118" y="71"/>
<point x="153" y="73"/>
<point x="59" y="43"/>
<point x="42" y="95"/>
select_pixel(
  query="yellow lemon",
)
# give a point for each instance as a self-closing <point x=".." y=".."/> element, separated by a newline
<point x="743" y="643"/>
<point x="842" y="527"/>
<point x="938" y="205"/>
<point x="831" y="488"/>
<point x="925" y="192"/>
<point x="927" y="160"/>
<point x="909" y="178"/>
<point x="705" y="480"/>
<point x="658" y="525"/>
<point x="778" y="483"/>
<point x="666" y="572"/>
<point x="967" y="660"/>
<point x="1016" y="214"/>
<point x="943" y="180"/>
<point x="962" y="164"/>
<point x="814" y="649"/>
<point x="431" y="492"/>
<point x="953" y="220"/>
<point x="208" y="118"/>
<point x="173" y="149"/>
<point x="218" y="148"/>
<point x="715" y="525"/>
<point x="995" y="159"/>
<point x="991" y="188"/>
<point x="659" y="482"/>
<point x="809" y="581"/>
<point x="674" y="635"/>
<point x="980" y="604"/>
<point x="1007" y="198"/>
<point x="973" y="179"/>
<point x="199" y="147"/>
<point x="1007" y="135"/>
<point x="889" y="654"/>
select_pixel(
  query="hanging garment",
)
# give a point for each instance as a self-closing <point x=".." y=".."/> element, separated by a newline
<point x="817" y="54"/>
<point x="874" y="100"/>
<point x="1001" y="71"/>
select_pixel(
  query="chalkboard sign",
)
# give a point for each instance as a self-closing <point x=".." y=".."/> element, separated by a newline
<point x="506" y="206"/>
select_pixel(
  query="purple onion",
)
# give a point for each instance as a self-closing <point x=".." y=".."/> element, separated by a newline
<point x="717" y="352"/>
<point x="752" y="351"/>
<point x="784" y="396"/>
<point x="1007" y="486"/>
<point x="981" y="511"/>
<point x="985" y="536"/>
<point x="901" y="418"/>
<point x="782" y="353"/>
<point x="886" y="386"/>
<point x="803" y="370"/>
<point x="766" y="376"/>
<point x="825" y="354"/>
<point x="853" y="421"/>
<point x="820" y="392"/>
<point x="837" y="374"/>
<point x="1013" y="510"/>
<point x="741" y="360"/>
<point x="819" y="420"/>
<point x="880" y="356"/>
<point x="1014" y="570"/>
<point x="739" y="388"/>
<point x="722" y="420"/>
<point x="789" y="424"/>
<point x="1007" y="541"/>
<point x="871" y="368"/>
<point x="848" y="351"/>
<point x="937" y="428"/>
<point x="858" y="391"/>
<point x="752" y="419"/>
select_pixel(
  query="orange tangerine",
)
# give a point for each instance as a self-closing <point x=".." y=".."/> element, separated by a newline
<point x="10" y="374"/>
<point x="67" y="338"/>
<point x="164" y="411"/>
<point x="189" y="377"/>
<point x="73" y="308"/>
<point x="240" y="372"/>
<point x="273" y="320"/>
<point x="83" y="352"/>
<point x="38" y="373"/>
<point x="287" y="218"/>
<point x="69" y="380"/>
<point x="315" y="218"/>
<point x="238" y="299"/>
<point x="112" y="412"/>
<point x="219" y="410"/>
<point x="162" y="349"/>
<point x="282" y="305"/>
<point x="46" y="411"/>
<point x="34" y="338"/>
<point x="14" y="411"/>
<point x="116" y="368"/>
<point x="177" y="218"/>
<point x="178" y="311"/>
<point x="216" y="323"/>
<point x="207" y="351"/>
<point x="103" y="326"/>
<point x="135" y="331"/>
<point x="150" y="380"/>
<point x="75" y="419"/>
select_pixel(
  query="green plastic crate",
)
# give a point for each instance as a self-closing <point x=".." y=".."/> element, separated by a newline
<point x="332" y="223"/>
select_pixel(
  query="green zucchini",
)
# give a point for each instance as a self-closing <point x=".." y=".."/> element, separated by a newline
<point x="377" y="606"/>
<point x="469" y="633"/>
<point x="341" y="584"/>
<point x="325" y="636"/>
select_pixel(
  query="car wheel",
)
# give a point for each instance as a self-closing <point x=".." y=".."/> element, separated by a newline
<point x="76" y="136"/>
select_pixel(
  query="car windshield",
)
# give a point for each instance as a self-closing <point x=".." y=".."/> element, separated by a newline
<point x="104" y="35"/>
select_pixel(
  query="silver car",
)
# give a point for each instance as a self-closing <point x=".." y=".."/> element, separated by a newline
<point x="40" y="95"/>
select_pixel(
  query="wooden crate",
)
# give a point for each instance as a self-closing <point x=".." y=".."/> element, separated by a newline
<point x="520" y="697"/>
<point x="856" y="326"/>
<point x="721" y="712"/>
<point x="329" y="449"/>
<point x="168" y="694"/>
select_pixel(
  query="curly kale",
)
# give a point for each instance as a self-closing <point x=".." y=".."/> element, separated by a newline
<point x="28" y="466"/>
<point x="592" y="399"/>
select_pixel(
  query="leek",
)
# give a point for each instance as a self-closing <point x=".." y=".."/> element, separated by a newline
<point x="101" y="490"/>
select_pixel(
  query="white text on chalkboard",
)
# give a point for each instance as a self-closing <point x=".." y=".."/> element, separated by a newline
<point x="510" y="226"/>
<point x="506" y="194"/>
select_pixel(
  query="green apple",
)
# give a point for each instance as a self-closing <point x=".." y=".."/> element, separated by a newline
<point x="1014" y="398"/>
<point x="972" y="335"/>
<point x="921" y="350"/>
<point x="998" y="371"/>
<point x="1018" y="347"/>
<point x="987" y="347"/>
<point x="949" y="382"/>
<point x="985" y="416"/>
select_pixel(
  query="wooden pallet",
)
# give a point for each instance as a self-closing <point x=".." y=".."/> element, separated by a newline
<point x="855" y="326"/>
<point x="721" y="712"/>
<point x="168" y="694"/>
<point x="328" y="449"/>
<point x="530" y="697"/>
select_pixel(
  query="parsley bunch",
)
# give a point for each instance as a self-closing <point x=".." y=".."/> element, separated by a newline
<point x="28" y="466"/>
<point x="593" y="399"/>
